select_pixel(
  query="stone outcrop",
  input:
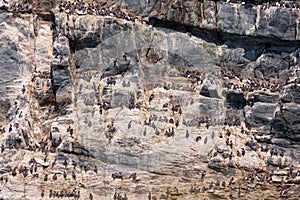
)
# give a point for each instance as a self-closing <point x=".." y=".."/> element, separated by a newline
<point x="149" y="99"/>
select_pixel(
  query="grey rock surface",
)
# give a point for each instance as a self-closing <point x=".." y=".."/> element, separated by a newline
<point x="149" y="99"/>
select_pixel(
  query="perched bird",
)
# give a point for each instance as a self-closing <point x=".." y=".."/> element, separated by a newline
<point x="95" y="169"/>
<point x="46" y="177"/>
<point x="243" y="151"/>
<point x="65" y="163"/>
<point x="151" y="97"/>
<point x="187" y="134"/>
<point x="14" y="172"/>
<point x="212" y="135"/>
<point x="205" y="140"/>
<point x="54" y="177"/>
<point x="223" y="183"/>
<point x="23" y="89"/>
<point x="73" y="175"/>
<point x="65" y="175"/>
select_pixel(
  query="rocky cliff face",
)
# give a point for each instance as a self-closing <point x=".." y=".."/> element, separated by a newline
<point x="149" y="100"/>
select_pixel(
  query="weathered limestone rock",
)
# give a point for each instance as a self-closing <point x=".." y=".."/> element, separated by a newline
<point x="160" y="99"/>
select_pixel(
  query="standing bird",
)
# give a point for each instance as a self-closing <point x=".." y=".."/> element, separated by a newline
<point x="46" y="177"/>
<point x="187" y="134"/>
<point x="231" y="181"/>
<point x="156" y="132"/>
<point x="14" y="172"/>
<point x="129" y="125"/>
<point x="220" y="135"/>
<point x="205" y="140"/>
<point x="54" y="177"/>
<point x="65" y="163"/>
<point x="203" y="174"/>
<point x="212" y="135"/>
<point x="151" y="97"/>
<point x="74" y="163"/>
<point x="85" y="168"/>
<point x="71" y="132"/>
<point x="25" y="173"/>
<point x="54" y="162"/>
<point x="243" y="151"/>
<point x="91" y="196"/>
<point x="73" y="175"/>
<point x="23" y="89"/>
<point x="223" y="183"/>
<point x="95" y="169"/>
<point x="65" y="175"/>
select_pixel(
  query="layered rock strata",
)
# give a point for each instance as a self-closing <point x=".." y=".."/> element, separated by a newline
<point x="149" y="99"/>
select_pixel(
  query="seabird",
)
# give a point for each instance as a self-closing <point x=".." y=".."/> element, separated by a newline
<point x="227" y="141"/>
<point x="91" y="196"/>
<point x="74" y="163"/>
<point x="25" y="173"/>
<point x="186" y="134"/>
<point x="65" y="175"/>
<point x="228" y="132"/>
<point x="205" y="140"/>
<point x="133" y="176"/>
<point x="46" y="177"/>
<point x="54" y="177"/>
<point x="210" y="185"/>
<point x="65" y="163"/>
<point x="177" y="123"/>
<point x="23" y="89"/>
<point x="85" y="168"/>
<point x="218" y="183"/>
<point x="14" y="172"/>
<point x="151" y="97"/>
<point x="243" y="151"/>
<point x="156" y="132"/>
<point x="203" y="189"/>
<point x="223" y="183"/>
<point x="203" y="174"/>
<point x="220" y="135"/>
<point x="54" y="162"/>
<point x="231" y="181"/>
<point x="73" y="175"/>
